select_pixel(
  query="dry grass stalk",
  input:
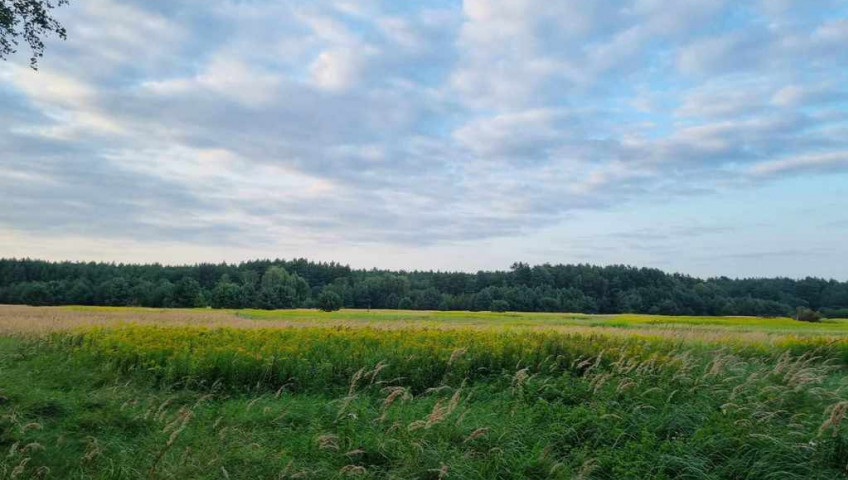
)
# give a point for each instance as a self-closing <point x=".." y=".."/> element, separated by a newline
<point x="33" y="446"/>
<point x="586" y="469"/>
<point x="480" y="432"/>
<point x="353" y="470"/>
<point x="440" y="412"/>
<point x="837" y="415"/>
<point x="625" y="384"/>
<point x="456" y="354"/>
<point x="328" y="442"/>
<point x="381" y="365"/>
<point x="598" y="381"/>
<point x="395" y="393"/>
<point x="519" y="379"/>
<point x="177" y="426"/>
<point x="19" y="469"/>
<point x="30" y="426"/>
<point x="92" y="450"/>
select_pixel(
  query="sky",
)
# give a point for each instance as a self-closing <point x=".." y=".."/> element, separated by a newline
<point x="708" y="137"/>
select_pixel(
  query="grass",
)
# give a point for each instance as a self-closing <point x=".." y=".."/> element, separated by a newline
<point x="552" y="319"/>
<point x="137" y="393"/>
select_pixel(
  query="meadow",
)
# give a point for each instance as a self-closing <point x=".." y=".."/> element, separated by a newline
<point x="101" y="393"/>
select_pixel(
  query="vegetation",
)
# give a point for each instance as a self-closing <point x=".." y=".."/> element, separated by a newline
<point x="329" y="301"/>
<point x="299" y="283"/>
<point x="806" y="315"/>
<point x="138" y="393"/>
<point x="32" y="20"/>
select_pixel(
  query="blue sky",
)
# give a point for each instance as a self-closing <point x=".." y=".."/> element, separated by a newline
<point x="708" y="137"/>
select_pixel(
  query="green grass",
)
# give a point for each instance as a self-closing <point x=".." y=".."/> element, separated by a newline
<point x="774" y="324"/>
<point x="515" y="319"/>
<point x="489" y="399"/>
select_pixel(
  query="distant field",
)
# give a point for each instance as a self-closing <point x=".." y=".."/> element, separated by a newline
<point x="144" y="393"/>
<point x="453" y="318"/>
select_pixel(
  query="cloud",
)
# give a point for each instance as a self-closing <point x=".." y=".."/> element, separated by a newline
<point x="230" y="78"/>
<point x="727" y="100"/>
<point x="721" y="54"/>
<point x="379" y="123"/>
<point x="823" y="162"/>
<point x="521" y="133"/>
<point x="808" y="95"/>
<point x="336" y="70"/>
<point x="110" y="35"/>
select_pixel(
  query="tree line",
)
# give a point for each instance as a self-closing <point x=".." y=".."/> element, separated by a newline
<point x="300" y="283"/>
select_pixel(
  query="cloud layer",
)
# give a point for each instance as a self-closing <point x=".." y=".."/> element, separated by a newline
<point x="396" y="125"/>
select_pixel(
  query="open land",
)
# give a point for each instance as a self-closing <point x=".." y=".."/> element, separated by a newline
<point x="98" y="393"/>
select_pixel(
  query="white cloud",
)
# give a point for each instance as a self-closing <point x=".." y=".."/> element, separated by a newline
<point x="49" y="86"/>
<point x="69" y="101"/>
<point x="337" y="70"/>
<point x="673" y="17"/>
<point x="716" y="55"/>
<point x="361" y="122"/>
<point x="228" y="77"/>
<point x="724" y="99"/>
<point x="221" y="174"/>
<point x="401" y="32"/>
<point x="107" y="35"/>
<point x="816" y="162"/>
<point x="527" y="132"/>
<point x="833" y="32"/>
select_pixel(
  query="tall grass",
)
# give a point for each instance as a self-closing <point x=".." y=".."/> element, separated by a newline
<point x="320" y="357"/>
<point x="398" y="399"/>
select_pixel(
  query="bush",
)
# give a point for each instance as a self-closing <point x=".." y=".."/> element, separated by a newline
<point x="549" y="304"/>
<point x="405" y="303"/>
<point x="329" y="301"/>
<point x="835" y="312"/>
<point x="500" y="306"/>
<point x="804" y="314"/>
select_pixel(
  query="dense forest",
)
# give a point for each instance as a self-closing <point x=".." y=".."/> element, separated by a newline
<point x="272" y="284"/>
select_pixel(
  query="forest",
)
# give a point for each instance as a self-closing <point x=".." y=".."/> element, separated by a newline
<point x="300" y="283"/>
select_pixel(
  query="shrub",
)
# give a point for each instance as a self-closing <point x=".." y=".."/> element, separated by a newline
<point x="804" y="314"/>
<point x="500" y="306"/>
<point x="835" y="312"/>
<point x="405" y="303"/>
<point x="329" y="301"/>
<point x="549" y="304"/>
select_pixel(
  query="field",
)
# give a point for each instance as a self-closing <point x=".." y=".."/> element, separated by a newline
<point x="113" y="393"/>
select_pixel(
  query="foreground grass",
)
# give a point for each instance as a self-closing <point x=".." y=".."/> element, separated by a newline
<point x="340" y="400"/>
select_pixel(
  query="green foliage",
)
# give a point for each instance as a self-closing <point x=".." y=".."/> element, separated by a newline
<point x="279" y="289"/>
<point x="296" y="283"/>
<point x="329" y="301"/>
<point x="549" y="304"/>
<point x="804" y="314"/>
<point x="36" y="294"/>
<point x="227" y="294"/>
<point x="405" y="303"/>
<point x="187" y="294"/>
<point x="30" y="20"/>
<point x="500" y="306"/>
<point x="835" y="312"/>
